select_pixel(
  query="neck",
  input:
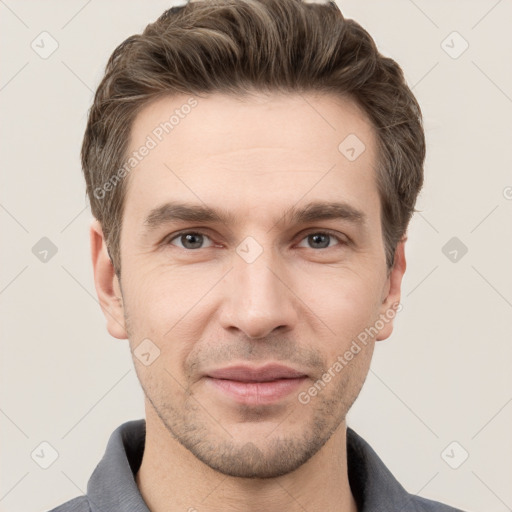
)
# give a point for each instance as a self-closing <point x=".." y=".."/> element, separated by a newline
<point x="171" y="479"/>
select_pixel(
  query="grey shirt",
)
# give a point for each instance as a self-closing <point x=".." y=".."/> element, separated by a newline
<point x="112" y="486"/>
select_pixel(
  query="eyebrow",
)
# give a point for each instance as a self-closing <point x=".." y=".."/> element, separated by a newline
<point x="311" y="212"/>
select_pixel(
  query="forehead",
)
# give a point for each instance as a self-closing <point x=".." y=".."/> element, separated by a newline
<point x="252" y="154"/>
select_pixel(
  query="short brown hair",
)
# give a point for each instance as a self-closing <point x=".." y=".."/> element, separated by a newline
<point x="234" y="46"/>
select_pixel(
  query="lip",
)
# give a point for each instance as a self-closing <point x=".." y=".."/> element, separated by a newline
<point x="243" y="373"/>
<point x="256" y="386"/>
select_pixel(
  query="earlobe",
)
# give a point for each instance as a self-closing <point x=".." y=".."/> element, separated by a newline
<point x="391" y="301"/>
<point x="106" y="283"/>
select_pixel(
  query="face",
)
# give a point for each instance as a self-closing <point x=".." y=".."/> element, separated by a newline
<point x="250" y="239"/>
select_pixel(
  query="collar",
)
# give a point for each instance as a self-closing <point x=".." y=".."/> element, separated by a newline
<point x="112" y="486"/>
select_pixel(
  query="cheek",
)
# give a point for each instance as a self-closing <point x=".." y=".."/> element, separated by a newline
<point x="148" y="308"/>
<point x="161" y="296"/>
<point x="348" y="306"/>
<point x="346" y="302"/>
<point x="168" y="307"/>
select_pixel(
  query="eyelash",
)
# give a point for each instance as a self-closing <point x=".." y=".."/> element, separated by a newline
<point x="175" y="236"/>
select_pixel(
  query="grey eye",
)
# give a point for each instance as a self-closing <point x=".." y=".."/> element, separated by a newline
<point x="190" y="240"/>
<point x="319" y="240"/>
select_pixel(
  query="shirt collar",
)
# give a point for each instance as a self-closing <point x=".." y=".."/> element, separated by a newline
<point x="112" y="486"/>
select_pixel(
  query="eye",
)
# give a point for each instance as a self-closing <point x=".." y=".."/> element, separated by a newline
<point x="322" y="240"/>
<point x="190" y="240"/>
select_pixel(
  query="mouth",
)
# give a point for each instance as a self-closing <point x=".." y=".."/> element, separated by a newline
<point x="256" y="386"/>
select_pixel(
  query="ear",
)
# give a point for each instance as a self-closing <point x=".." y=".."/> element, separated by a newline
<point x="107" y="284"/>
<point x="392" y="292"/>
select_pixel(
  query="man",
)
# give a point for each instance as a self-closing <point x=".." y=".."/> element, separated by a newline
<point x="252" y="167"/>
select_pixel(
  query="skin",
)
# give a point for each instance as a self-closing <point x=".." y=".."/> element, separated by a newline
<point x="299" y="303"/>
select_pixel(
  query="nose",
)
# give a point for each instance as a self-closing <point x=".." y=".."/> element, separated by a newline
<point x="258" y="298"/>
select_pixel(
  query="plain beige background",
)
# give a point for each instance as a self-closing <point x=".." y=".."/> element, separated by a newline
<point x="444" y="376"/>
